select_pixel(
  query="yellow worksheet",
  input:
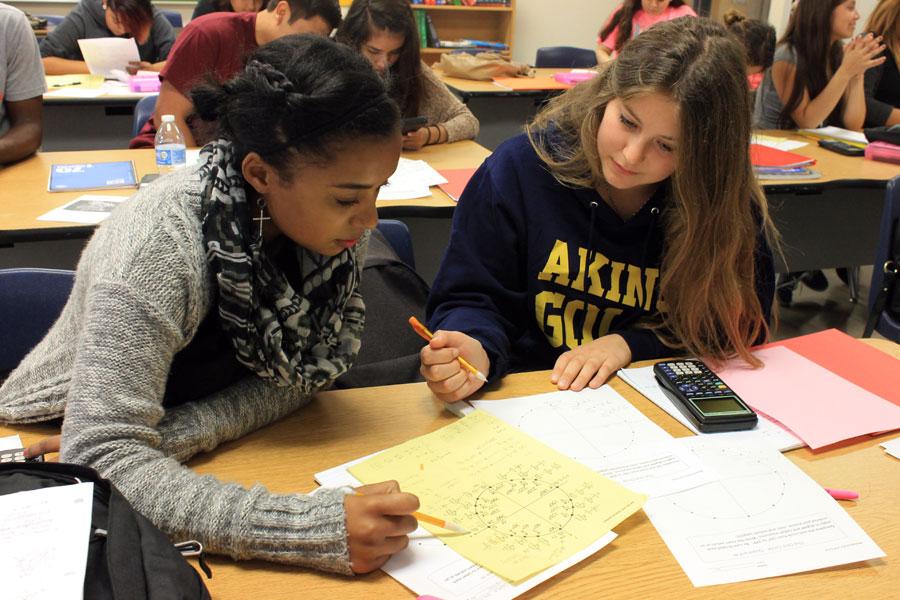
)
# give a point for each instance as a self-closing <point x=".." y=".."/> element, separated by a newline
<point x="524" y="505"/>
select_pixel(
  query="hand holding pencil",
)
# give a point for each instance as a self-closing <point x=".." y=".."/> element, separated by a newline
<point x="453" y="363"/>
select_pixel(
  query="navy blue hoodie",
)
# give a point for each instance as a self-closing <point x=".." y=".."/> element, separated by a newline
<point x="527" y="254"/>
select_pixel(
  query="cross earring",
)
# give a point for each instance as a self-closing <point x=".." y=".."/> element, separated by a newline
<point x="261" y="203"/>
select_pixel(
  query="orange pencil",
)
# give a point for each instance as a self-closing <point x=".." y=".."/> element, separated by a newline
<point x="420" y="516"/>
<point x="427" y="335"/>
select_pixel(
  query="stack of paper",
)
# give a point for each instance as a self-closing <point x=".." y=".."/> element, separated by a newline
<point x="411" y="180"/>
<point x="772" y="163"/>
<point x="817" y="405"/>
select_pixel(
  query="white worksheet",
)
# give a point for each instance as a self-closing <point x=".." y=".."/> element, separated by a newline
<point x="892" y="447"/>
<point x="105" y="55"/>
<point x="43" y="550"/>
<point x="10" y="442"/>
<point x="603" y="431"/>
<point x="88" y="209"/>
<point x="766" y="431"/>
<point x="761" y="517"/>
<point x="411" y="180"/>
<point x="430" y="567"/>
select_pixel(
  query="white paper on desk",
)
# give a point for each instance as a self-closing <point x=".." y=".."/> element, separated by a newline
<point x="429" y="567"/>
<point x="839" y="133"/>
<point x="87" y="209"/>
<point x="892" y="447"/>
<point x="603" y="431"/>
<point x="10" y="442"/>
<point x="762" y="517"/>
<point x="75" y="92"/>
<point x="43" y="550"/>
<point x="104" y="55"/>
<point x="779" y="143"/>
<point x="411" y="180"/>
<point x="642" y="379"/>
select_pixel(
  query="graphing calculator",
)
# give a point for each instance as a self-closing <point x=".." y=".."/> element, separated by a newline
<point x="703" y="398"/>
<point x="17" y="455"/>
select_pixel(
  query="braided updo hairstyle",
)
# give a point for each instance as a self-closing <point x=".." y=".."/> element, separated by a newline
<point x="298" y="95"/>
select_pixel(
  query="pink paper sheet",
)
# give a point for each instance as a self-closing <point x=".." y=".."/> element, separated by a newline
<point x="850" y="358"/>
<point x="817" y="405"/>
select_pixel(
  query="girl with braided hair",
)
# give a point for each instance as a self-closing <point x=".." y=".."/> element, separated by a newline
<point x="221" y="298"/>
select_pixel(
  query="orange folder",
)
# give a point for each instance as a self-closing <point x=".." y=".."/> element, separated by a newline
<point x="530" y="83"/>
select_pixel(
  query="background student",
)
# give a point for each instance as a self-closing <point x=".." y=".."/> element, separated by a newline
<point x="108" y="18"/>
<point x="758" y="38"/>
<point x="631" y="18"/>
<point x="613" y="231"/>
<point x="204" y="7"/>
<point x="882" y="82"/>
<point x="384" y="31"/>
<point x="216" y="45"/>
<point x="193" y="321"/>
<point x="816" y="80"/>
<point x="22" y="85"/>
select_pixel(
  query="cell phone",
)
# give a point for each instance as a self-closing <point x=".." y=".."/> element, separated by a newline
<point x="702" y="397"/>
<point x="413" y="123"/>
<point x="841" y="148"/>
<point x="17" y="455"/>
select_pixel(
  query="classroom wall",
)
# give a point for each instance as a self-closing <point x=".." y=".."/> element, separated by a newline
<point x="557" y="23"/>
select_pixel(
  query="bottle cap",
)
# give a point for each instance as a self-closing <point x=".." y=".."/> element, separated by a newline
<point x="168" y="118"/>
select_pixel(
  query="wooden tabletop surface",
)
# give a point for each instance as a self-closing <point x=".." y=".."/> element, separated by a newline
<point x="342" y="425"/>
<point x="24" y="195"/>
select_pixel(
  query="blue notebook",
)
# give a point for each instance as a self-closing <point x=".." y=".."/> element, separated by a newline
<point x="92" y="176"/>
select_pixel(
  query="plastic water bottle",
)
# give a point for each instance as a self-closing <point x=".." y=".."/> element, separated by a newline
<point x="169" y="144"/>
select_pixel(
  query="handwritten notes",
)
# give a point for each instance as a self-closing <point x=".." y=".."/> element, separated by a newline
<point x="525" y="506"/>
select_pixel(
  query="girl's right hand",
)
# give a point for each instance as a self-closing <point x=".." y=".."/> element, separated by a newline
<point x="379" y="520"/>
<point x="446" y="377"/>
<point x="862" y="53"/>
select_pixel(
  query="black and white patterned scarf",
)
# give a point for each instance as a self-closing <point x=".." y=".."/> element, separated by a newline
<point x="302" y="338"/>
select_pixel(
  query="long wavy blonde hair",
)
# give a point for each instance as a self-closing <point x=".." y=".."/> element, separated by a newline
<point x="715" y="209"/>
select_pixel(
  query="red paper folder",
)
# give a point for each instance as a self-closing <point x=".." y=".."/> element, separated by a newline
<point x="456" y="181"/>
<point x="764" y="156"/>
<point x="859" y="363"/>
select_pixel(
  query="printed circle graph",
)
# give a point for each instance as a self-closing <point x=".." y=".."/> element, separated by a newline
<point x="758" y="489"/>
<point x="580" y="429"/>
<point x="526" y="508"/>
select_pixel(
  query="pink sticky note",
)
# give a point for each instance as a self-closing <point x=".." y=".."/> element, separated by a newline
<point x="816" y="404"/>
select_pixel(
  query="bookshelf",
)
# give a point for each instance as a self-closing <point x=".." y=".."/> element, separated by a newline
<point x="491" y="23"/>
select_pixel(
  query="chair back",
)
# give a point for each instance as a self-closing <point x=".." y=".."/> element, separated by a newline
<point x="143" y="110"/>
<point x="886" y="326"/>
<point x="30" y="302"/>
<point x="565" y="57"/>
<point x="174" y="18"/>
<point x="397" y="234"/>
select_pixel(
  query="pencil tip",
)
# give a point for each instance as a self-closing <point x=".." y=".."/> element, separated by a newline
<point x="480" y="376"/>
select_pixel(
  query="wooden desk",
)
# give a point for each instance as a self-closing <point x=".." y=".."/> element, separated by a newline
<point x="501" y="112"/>
<point x="24" y="195"/>
<point x="832" y="221"/>
<point x="342" y="425"/>
<point x="92" y="115"/>
<point x="467" y="89"/>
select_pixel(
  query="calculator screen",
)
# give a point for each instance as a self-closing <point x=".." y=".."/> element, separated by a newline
<point x="715" y="406"/>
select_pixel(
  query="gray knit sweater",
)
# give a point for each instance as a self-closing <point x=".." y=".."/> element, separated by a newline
<point x="141" y="290"/>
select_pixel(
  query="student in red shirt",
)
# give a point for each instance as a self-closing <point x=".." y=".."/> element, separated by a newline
<point x="215" y="45"/>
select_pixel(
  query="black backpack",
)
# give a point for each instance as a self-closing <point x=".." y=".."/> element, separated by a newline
<point x="887" y="297"/>
<point x="128" y="557"/>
